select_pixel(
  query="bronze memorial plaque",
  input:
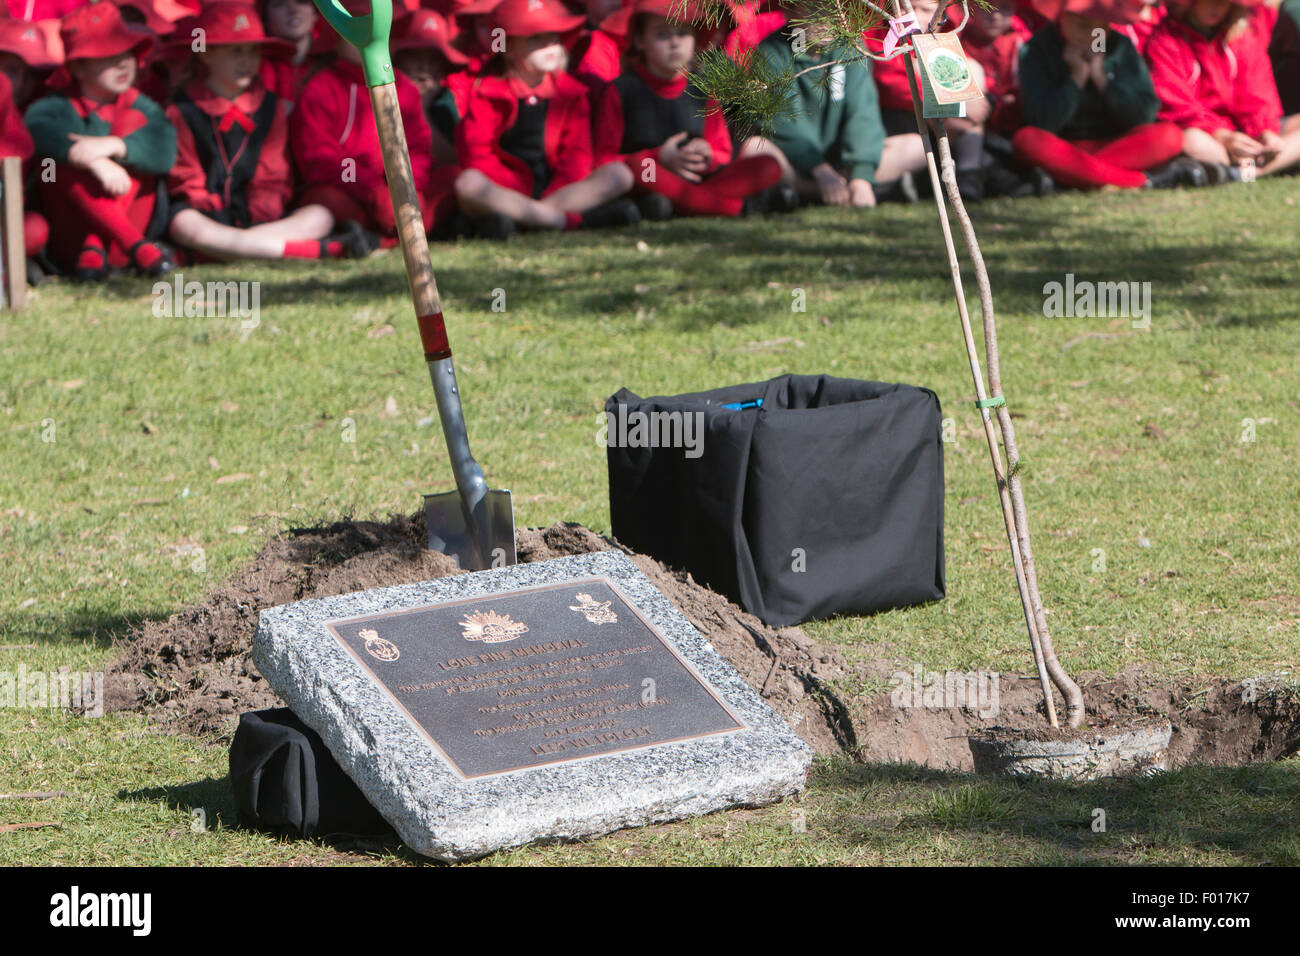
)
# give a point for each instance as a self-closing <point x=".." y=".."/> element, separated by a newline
<point x="535" y="676"/>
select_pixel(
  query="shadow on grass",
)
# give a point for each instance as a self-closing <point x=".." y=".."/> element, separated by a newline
<point x="214" y="798"/>
<point x="96" y="628"/>
<point x="1247" y="812"/>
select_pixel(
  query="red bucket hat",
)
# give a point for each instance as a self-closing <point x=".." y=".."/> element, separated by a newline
<point x="1107" y="11"/>
<point x="97" y="31"/>
<point x="526" y="18"/>
<point x="160" y="16"/>
<point x="425" y="29"/>
<point x="227" y="22"/>
<point x="31" y="43"/>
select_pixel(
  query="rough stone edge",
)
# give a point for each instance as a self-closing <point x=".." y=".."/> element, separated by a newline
<point x="751" y="767"/>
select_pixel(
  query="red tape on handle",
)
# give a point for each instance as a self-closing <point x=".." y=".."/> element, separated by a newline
<point x="433" y="335"/>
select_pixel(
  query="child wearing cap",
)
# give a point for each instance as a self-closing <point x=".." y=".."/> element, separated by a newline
<point x="1211" y="70"/>
<point x="829" y="140"/>
<point x="1089" y="106"/>
<point x="525" y="141"/>
<point x="232" y="182"/>
<point x="650" y="119"/>
<point x="337" y="151"/>
<point x="110" y="143"/>
<point x="423" y="52"/>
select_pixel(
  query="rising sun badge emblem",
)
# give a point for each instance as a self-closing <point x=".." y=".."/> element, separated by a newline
<point x="491" y="627"/>
<point x="377" y="647"/>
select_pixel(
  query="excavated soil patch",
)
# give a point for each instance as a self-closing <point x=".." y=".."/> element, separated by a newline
<point x="193" y="672"/>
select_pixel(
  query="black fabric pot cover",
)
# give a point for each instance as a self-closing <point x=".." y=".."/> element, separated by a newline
<point x="825" y="498"/>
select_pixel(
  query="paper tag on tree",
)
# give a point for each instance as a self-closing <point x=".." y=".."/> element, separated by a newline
<point x="947" y="81"/>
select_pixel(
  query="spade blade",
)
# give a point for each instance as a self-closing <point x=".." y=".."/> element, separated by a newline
<point x="485" y="539"/>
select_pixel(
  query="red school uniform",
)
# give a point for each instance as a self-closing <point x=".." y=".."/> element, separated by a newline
<point x="232" y="158"/>
<point x="42" y="9"/>
<point x="337" y="152"/>
<point x="16" y="141"/>
<point x="1212" y="84"/>
<point x="531" y="140"/>
<point x="285" y="78"/>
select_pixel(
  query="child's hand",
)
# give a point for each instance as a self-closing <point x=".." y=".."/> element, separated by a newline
<point x="86" y="149"/>
<point x="115" y="180"/>
<point x="1239" y="145"/>
<point x="1077" y="62"/>
<point x="1271" y="143"/>
<point x="833" y="187"/>
<point x="700" y="148"/>
<point x="861" y="194"/>
<point x="685" y="162"/>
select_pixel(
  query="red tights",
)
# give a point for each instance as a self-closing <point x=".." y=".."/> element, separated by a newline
<point x="722" y="194"/>
<point x="1090" y="163"/>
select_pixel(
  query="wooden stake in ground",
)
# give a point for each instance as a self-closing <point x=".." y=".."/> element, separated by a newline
<point x="15" y="253"/>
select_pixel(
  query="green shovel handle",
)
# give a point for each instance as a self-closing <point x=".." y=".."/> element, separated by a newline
<point x="369" y="34"/>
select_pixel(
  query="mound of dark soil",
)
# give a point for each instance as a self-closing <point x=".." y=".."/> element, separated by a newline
<point x="194" y="672"/>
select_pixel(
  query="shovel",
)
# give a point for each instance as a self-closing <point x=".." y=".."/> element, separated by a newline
<point x="475" y="524"/>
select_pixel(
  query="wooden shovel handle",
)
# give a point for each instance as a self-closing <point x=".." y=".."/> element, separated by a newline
<point x="410" y="222"/>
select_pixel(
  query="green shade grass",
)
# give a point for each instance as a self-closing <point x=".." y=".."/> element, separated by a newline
<point x="1163" y="539"/>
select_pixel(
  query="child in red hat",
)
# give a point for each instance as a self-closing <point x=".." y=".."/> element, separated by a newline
<point x="28" y="51"/>
<point x="297" y="22"/>
<point x="1210" y="65"/>
<point x="110" y="143"/>
<point x="232" y="182"/>
<point x="337" y="150"/>
<point x="422" y="51"/>
<point x="525" y="141"/>
<point x="1089" y="106"/>
<point x="650" y="120"/>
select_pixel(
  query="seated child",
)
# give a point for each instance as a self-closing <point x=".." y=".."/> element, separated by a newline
<point x="1212" y="73"/>
<point x="650" y="119"/>
<point x="110" y="144"/>
<point x="295" y="21"/>
<point x="525" y="141"/>
<point x="232" y="180"/>
<point x="27" y="53"/>
<point x="423" y="52"/>
<point x="336" y="146"/>
<point x="16" y="141"/>
<point x="597" y="54"/>
<point x="904" y="149"/>
<point x="1089" y="115"/>
<point x="829" y="140"/>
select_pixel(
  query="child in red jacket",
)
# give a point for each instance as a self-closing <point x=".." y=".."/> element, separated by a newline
<point x="232" y="181"/>
<point x="110" y="143"/>
<point x="1211" y="70"/>
<point x="1088" y="104"/>
<point x="16" y="141"/>
<point x="295" y="21"/>
<point x="28" y="51"/>
<point x="525" y="141"/>
<point x="650" y="120"/>
<point x="337" y="148"/>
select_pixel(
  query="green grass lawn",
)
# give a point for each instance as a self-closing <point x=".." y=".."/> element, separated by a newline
<point x="143" y="459"/>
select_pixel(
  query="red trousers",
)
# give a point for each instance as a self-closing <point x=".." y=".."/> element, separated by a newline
<point x="721" y="194"/>
<point x="1091" y="163"/>
<point x="81" y="214"/>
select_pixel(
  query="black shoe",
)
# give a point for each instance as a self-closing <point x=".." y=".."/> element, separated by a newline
<point x="494" y="225"/>
<point x="781" y="198"/>
<point x="655" y="207"/>
<point x="165" y="264"/>
<point x="35" y="274"/>
<point x="970" y="185"/>
<point x="87" y="274"/>
<point x="1217" y="174"/>
<point x="616" y="212"/>
<point x="902" y="189"/>
<point x="1044" y="185"/>
<point x="358" y="241"/>
<point x="1180" y="171"/>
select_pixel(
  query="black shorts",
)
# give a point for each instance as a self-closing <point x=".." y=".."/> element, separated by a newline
<point x="898" y="122"/>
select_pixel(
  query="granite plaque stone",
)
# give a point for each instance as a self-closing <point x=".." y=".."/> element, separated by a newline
<point x="554" y="700"/>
